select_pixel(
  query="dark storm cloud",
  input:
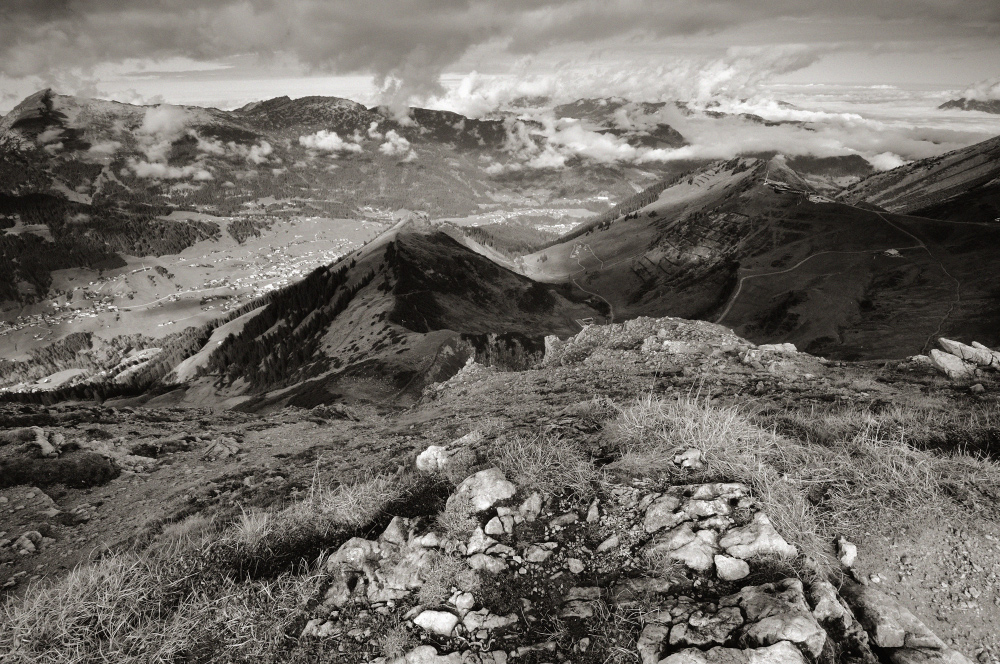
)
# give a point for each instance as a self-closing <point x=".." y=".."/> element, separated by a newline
<point x="410" y="41"/>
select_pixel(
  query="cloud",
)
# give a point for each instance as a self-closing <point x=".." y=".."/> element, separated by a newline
<point x="988" y="90"/>
<point x="737" y="73"/>
<point x="735" y="127"/>
<point x="145" y="169"/>
<point x="260" y="153"/>
<point x="397" y="146"/>
<point x="328" y="141"/>
<point x="407" y="44"/>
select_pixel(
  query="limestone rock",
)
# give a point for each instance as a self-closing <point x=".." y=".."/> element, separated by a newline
<point x="437" y="622"/>
<point x="491" y="564"/>
<point x="731" y="569"/>
<point x="704" y="628"/>
<point x="827" y="607"/>
<point x="779" y="348"/>
<point x="952" y="366"/>
<point x="650" y="643"/>
<point x="433" y="459"/>
<point x="662" y="514"/>
<point x="889" y="623"/>
<point x="531" y="507"/>
<point x="847" y="552"/>
<point x="779" y="653"/>
<point x="756" y="539"/>
<point x="977" y="354"/>
<point x="483" y="490"/>
<point x="778" y="612"/>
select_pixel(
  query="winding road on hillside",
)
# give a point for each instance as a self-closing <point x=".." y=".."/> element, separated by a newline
<point x="920" y="245"/>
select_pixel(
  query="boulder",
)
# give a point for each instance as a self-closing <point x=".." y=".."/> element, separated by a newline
<point x="483" y="490"/>
<point x="980" y="355"/>
<point x="779" y="348"/>
<point x="954" y="367"/>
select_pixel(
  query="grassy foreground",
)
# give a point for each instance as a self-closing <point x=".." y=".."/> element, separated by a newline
<point x="207" y="589"/>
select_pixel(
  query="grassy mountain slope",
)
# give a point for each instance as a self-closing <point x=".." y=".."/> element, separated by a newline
<point x="404" y="310"/>
<point x="963" y="185"/>
<point x="745" y="242"/>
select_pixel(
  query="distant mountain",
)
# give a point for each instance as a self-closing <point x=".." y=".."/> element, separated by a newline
<point x="404" y="311"/>
<point x="963" y="104"/>
<point x="85" y="182"/>
<point x="749" y="244"/>
<point x="962" y="185"/>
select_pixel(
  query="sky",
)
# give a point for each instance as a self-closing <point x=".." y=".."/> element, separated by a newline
<point x="890" y="61"/>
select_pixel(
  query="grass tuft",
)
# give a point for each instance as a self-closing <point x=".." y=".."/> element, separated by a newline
<point x="545" y="464"/>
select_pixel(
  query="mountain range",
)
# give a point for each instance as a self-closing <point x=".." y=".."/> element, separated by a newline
<point x="827" y="254"/>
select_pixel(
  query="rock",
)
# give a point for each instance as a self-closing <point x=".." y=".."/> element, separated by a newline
<point x="433" y="459"/>
<point x="994" y="353"/>
<point x="45" y="448"/>
<point x="494" y="526"/>
<point x="479" y="542"/>
<point x="977" y="388"/>
<point x="584" y="593"/>
<point x="778" y="612"/>
<point x="441" y="623"/>
<point x="531" y="507"/>
<point x="704" y="628"/>
<point x="427" y="655"/>
<point x="662" y="514"/>
<point x="698" y="554"/>
<point x="537" y="554"/>
<point x="827" y="607"/>
<point x="608" y="544"/>
<point x="921" y="656"/>
<point x="779" y="653"/>
<point x="980" y="355"/>
<point x="951" y="366"/>
<point x="464" y="602"/>
<point x="397" y="532"/>
<point x="594" y="512"/>
<point x="889" y="623"/>
<point x="779" y="348"/>
<point x="564" y="520"/>
<point x="491" y="564"/>
<point x="483" y="490"/>
<point x="650" y="643"/>
<point x="757" y="539"/>
<point x="356" y="555"/>
<point x="577" y="609"/>
<point x="483" y="619"/>
<point x="575" y="565"/>
<point x="847" y="552"/>
<point x="731" y="569"/>
<point x="690" y="459"/>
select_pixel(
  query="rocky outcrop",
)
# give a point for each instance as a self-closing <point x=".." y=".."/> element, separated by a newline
<point x="961" y="362"/>
<point x="548" y="575"/>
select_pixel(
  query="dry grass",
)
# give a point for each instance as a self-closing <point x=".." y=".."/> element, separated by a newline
<point x="545" y="464"/>
<point x="396" y="641"/>
<point x="445" y="574"/>
<point x="870" y="481"/>
<point x="142" y="606"/>
<point x="456" y="520"/>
